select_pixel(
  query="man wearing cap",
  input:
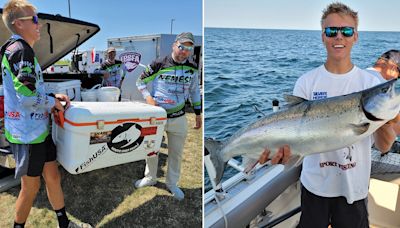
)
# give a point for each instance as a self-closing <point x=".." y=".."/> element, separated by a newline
<point x="113" y="70"/>
<point x="173" y="80"/>
<point x="387" y="66"/>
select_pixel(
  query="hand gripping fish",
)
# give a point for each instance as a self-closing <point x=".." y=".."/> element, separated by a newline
<point x="310" y="127"/>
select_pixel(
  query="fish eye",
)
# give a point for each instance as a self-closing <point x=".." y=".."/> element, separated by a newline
<point x="385" y="89"/>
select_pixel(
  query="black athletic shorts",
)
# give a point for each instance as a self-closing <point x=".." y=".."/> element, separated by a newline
<point x="30" y="158"/>
<point x="319" y="212"/>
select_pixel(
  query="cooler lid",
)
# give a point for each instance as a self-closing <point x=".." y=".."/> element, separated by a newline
<point x="58" y="37"/>
<point x="89" y="112"/>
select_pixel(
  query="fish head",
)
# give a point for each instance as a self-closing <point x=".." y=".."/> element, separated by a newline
<point x="119" y="138"/>
<point x="381" y="102"/>
<point x="133" y="133"/>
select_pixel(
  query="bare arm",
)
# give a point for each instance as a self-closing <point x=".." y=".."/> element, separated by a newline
<point x="386" y="135"/>
<point x="151" y="101"/>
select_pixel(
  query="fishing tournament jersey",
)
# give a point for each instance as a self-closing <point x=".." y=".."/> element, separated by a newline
<point x="117" y="73"/>
<point x="172" y="84"/>
<point x="26" y="105"/>
<point x="344" y="172"/>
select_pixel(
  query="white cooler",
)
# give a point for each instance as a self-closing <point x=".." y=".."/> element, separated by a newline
<point x="102" y="134"/>
<point x="72" y="88"/>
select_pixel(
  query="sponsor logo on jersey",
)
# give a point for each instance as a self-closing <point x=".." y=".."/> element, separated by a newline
<point x="319" y="95"/>
<point x="174" y="78"/>
<point x="13" y="115"/>
<point x="39" y="116"/>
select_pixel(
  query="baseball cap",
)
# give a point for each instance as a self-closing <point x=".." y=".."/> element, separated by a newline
<point x="185" y="37"/>
<point x="392" y="56"/>
<point x="110" y="49"/>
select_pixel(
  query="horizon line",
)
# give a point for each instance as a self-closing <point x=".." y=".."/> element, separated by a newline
<point x="295" y="29"/>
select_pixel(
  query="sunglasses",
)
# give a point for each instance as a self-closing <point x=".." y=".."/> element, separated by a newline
<point x="333" y="31"/>
<point x="35" y="19"/>
<point x="185" y="48"/>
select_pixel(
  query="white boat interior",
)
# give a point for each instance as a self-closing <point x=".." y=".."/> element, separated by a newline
<point x="271" y="196"/>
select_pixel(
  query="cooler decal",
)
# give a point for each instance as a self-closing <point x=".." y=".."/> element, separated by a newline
<point x="126" y="138"/>
<point x="89" y="161"/>
<point x="100" y="137"/>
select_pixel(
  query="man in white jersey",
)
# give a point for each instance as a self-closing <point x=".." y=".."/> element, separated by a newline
<point x="336" y="194"/>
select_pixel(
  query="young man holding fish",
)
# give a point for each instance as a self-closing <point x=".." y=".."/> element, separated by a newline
<point x="335" y="184"/>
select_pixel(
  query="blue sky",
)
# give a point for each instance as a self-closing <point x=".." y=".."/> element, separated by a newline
<point x="294" y="14"/>
<point x="120" y="18"/>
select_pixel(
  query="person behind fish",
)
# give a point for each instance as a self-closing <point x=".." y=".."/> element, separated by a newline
<point x="387" y="66"/>
<point x="174" y="79"/>
<point x="335" y="184"/>
<point x="27" y="106"/>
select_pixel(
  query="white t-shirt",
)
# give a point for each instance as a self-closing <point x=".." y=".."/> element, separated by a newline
<point x="344" y="172"/>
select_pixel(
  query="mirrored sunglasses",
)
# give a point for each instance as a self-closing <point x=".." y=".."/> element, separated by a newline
<point x="185" y="48"/>
<point x="35" y="19"/>
<point x="333" y="31"/>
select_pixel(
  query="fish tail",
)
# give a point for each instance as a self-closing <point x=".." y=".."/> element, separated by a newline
<point x="212" y="149"/>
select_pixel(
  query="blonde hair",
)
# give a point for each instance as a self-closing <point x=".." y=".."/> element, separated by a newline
<point x="340" y="9"/>
<point x="15" y="9"/>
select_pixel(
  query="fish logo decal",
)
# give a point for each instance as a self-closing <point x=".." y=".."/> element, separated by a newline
<point x="126" y="138"/>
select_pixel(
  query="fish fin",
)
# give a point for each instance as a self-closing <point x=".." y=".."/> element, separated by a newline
<point x="213" y="147"/>
<point x="360" y="129"/>
<point x="294" y="161"/>
<point x="293" y="100"/>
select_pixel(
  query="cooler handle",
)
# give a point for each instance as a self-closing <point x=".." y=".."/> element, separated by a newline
<point x="59" y="119"/>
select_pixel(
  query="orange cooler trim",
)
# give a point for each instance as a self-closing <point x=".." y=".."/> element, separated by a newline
<point x="109" y="122"/>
